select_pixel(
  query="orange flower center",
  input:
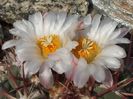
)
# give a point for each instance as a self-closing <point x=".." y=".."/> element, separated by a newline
<point x="49" y="44"/>
<point x="87" y="49"/>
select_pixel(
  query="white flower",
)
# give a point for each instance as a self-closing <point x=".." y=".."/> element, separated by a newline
<point x="97" y="51"/>
<point x="45" y="42"/>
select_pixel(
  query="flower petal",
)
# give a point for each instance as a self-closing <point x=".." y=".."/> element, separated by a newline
<point x="81" y="74"/>
<point x="23" y="29"/>
<point x="25" y="52"/>
<point x="87" y="20"/>
<point x="46" y="77"/>
<point x="113" y="51"/>
<point x="16" y="32"/>
<point x="119" y="33"/>
<point x="69" y="23"/>
<point x="26" y="45"/>
<point x="71" y="45"/>
<point x="49" y="22"/>
<point x="108" y="78"/>
<point x="97" y="72"/>
<point x="9" y="44"/>
<point x="111" y="62"/>
<point x="58" y="67"/>
<point x="69" y="27"/>
<point x="106" y="29"/>
<point x="60" y="20"/>
<point x="119" y="41"/>
<point x="37" y="21"/>
<point x="95" y="24"/>
<point x="20" y="26"/>
<point x="32" y="67"/>
<point x="62" y="59"/>
<point x="70" y="73"/>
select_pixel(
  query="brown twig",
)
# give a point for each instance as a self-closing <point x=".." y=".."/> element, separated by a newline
<point x="20" y="87"/>
<point x="116" y="86"/>
<point x="127" y="94"/>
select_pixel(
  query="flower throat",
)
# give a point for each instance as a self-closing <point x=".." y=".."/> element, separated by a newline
<point x="49" y="44"/>
<point x="86" y="49"/>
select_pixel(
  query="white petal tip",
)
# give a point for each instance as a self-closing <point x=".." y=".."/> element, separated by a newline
<point x="8" y="44"/>
<point x="128" y="41"/>
<point x="5" y="46"/>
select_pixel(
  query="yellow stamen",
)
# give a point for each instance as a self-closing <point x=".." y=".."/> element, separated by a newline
<point x="87" y="49"/>
<point x="49" y="44"/>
